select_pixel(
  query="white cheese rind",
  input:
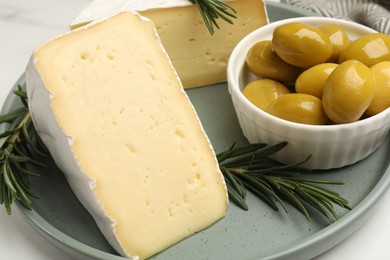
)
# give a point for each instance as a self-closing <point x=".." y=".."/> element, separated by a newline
<point x="62" y="150"/>
<point x="103" y="8"/>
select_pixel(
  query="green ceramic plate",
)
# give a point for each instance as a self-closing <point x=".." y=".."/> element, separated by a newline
<point x="258" y="233"/>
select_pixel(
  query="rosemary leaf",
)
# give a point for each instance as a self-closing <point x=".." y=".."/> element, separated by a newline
<point x="211" y="10"/>
<point x="289" y="196"/>
<point x="11" y="116"/>
<point x="2" y="188"/>
<point x="318" y="181"/>
<point x="320" y="192"/>
<point x="265" y="189"/>
<point x="236" y="198"/>
<point x="267" y="199"/>
<point x="7" y="199"/>
<point x="274" y="182"/>
<point x="23" y="170"/>
<point x="318" y="204"/>
<point x="17" y="158"/>
<point x="223" y="155"/>
<point x="244" y="159"/>
<point x="17" y="123"/>
<point x="6" y="177"/>
<point x="20" y="192"/>
<point x="236" y="184"/>
<point x="22" y="95"/>
<point x="234" y="152"/>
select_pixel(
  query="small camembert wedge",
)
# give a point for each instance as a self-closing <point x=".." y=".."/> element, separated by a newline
<point x="199" y="57"/>
<point x="108" y="104"/>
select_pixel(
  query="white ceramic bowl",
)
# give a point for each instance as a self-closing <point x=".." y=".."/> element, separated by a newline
<point x="331" y="146"/>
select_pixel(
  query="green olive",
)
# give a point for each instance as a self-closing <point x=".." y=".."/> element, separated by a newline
<point x="338" y="37"/>
<point x="381" y="101"/>
<point x="369" y="49"/>
<point x="312" y="81"/>
<point x="263" y="61"/>
<point x="348" y="92"/>
<point x="299" y="108"/>
<point x="262" y="92"/>
<point x="301" y="45"/>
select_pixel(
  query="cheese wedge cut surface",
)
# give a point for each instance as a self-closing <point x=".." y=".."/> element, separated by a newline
<point x="199" y="58"/>
<point x="109" y="106"/>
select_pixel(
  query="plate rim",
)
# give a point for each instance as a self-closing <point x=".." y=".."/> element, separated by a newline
<point x="337" y="231"/>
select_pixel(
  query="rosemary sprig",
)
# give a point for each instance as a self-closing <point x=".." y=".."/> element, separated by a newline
<point x="211" y="10"/>
<point x="251" y="168"/>
<point x="17" y="144"/>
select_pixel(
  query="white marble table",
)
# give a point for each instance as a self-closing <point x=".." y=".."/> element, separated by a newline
<point x="24" y="25"/>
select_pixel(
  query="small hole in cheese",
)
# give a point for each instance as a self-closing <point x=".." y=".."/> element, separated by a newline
<point x="150" y="63"/>
<point x="146" y="179"/>
<point x="83" y="56"/>
<point x="185" y="198"/>
<point x="130" y="148"/>
<point x="190" y="181"/>
<point x="179" y="133"/>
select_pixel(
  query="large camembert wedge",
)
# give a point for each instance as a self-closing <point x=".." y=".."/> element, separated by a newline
<point x="109" y="106"/>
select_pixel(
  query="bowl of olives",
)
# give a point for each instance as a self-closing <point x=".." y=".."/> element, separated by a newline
<point x="320" y="84"/>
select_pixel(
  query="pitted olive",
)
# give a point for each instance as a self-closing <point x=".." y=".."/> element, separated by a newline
<point x="348" y="92"/>
<point x="312" y="81"/>
<point x="381" y="101"/>
<point x="369" y="49"/>
<point x="262" y="61"/>
<point x="301" y="45"/>
<point x="338" y="37"/>
<point x="299" y="108"/>
<point x="262" y="92"/>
